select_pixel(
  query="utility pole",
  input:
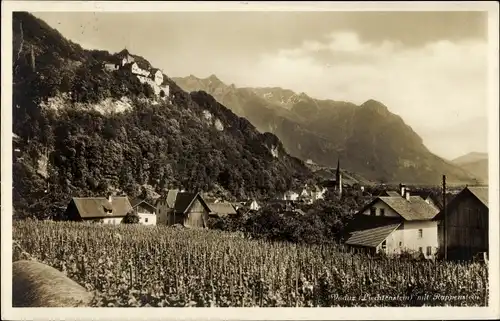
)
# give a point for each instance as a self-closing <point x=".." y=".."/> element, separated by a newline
<point x="445" y="227"/>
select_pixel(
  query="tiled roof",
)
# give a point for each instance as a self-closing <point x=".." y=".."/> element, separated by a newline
<point x="171" y="197"/>
<point x="371" y="236"/>
<point x="481" y="193"/>
<point x="414" y="209"/>
<point x="392" y="194"/>
<point x="94" y="207"/>
<point x="222" y="208"/>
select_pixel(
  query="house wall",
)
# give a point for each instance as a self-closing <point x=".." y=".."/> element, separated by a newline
<point x="291" y="196"/>
<point x="71" y="213"/>
<point x="196" y="215"/>
<point x="412" y="241"/>
<point x="467" y="229"/>
<point x="112" y="220"/>
<point x="147" y="219"/>
<point x="254" y="206"/>
<point x="381" y="205"/>
<point x="394" y="242"/>
<point x="111" y="67"/>
<point x="158" y="78"/>
<point x="406" y="237"/>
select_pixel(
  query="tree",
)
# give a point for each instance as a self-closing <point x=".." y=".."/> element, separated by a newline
<point x="131" y="218"/>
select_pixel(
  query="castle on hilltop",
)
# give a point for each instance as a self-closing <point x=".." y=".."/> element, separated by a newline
<point x="145" y="74"/>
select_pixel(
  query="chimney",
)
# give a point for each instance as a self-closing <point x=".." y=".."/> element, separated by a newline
<point x="407" y="194"/>
<point x="402" y="190"/>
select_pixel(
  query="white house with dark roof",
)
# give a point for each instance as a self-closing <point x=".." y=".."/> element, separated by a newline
<point x="110" y="210"/>
<point x="145" y="211"/>
<point x="393" y="224"/>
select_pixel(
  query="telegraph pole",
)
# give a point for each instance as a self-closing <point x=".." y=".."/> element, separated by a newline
<point x="445" y="227"/>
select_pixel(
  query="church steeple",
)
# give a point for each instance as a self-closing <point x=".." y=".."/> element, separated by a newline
<point x="338" y="178"/>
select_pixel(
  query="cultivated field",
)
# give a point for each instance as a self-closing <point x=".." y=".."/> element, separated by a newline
<point x="160" y="266"/>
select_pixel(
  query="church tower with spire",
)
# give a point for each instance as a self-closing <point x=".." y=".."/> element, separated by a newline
<point x="338" y="179"/>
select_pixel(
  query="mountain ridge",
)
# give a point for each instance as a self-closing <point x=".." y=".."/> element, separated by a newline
<point x="475" y="163"/>
<point x="371" y="140"/>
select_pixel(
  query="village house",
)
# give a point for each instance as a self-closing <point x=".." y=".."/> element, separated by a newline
<point x="110" y="210"/>
<point x="427" y="196"/>
<point x="395" y="224"/>
<point x="290" y="196"/>
<point x="466" y="226"/>
<point x="252" y="205"/>
<point x="145" y="211"/>
<point x="187" y="209"/>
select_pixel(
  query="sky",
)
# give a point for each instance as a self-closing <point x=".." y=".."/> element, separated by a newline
<point x="430" y="68"/>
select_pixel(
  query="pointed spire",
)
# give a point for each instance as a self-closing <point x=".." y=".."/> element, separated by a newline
<point x="337" y="172"/>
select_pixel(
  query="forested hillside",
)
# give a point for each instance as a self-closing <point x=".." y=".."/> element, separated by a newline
<point x="86" y="131"/>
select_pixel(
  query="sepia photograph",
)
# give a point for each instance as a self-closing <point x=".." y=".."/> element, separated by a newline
<point x="250" y="155"/>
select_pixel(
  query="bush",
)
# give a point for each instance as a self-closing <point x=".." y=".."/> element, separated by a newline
<point x="131" y="218"/>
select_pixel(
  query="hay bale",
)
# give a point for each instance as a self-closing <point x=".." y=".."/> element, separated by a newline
<point x="38" y="285"/>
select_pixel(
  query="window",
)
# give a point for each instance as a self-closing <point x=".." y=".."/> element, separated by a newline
<point x="420" y="233"/>
<point x="146" y="220"/>
<point x="400" y="244"/>
<point x="373" y="211"/>
<point x="384" y="245"/>
<point x="382" y="212"/>
<point x="428" y="251"/>
<point x="421" y="250"/>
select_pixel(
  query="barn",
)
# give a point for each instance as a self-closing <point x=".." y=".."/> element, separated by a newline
<point x="187" y="209"/>
<point x="466" y="225"/>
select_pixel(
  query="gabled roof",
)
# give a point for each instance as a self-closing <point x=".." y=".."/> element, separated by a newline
<point x="171" y="197"/>
<point x="411" y="210"/>
<point x="137" y="201"/>
<point x="184" y="200"/>
<point x="222" y="208"/>
<point x="481" y="193"/>
<point x="94" y="207"/>
<point x="372" y="236"/>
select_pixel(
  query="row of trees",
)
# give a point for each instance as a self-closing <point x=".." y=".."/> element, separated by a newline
<point x="325" y="221"/>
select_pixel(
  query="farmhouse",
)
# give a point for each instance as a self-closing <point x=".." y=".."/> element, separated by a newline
<point x="187" y="209"/>
<point x="394" y="224"/>
<point x="109" y="210"/>
<point x="466" y="226"/>
<point x="145" y="211"/>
